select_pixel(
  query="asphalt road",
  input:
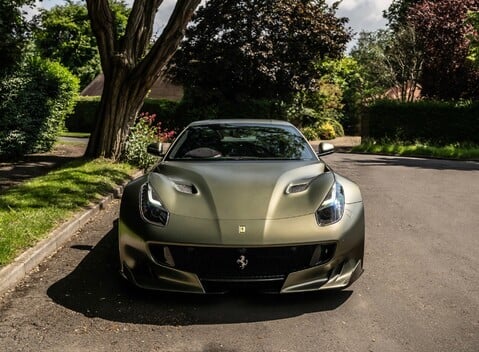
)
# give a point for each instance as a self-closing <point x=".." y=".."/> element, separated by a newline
<point x="420" y="290"/>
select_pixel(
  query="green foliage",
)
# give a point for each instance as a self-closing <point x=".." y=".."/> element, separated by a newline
<point x="145" y="131"/>
<point x="82" y="119"/>
<point x="442" y="28"/>
<point x="29" y="211"/>
<point x="464" y="151"/>
<point x="13" y="33"/>
<point x="390" y="59"/>
<point x="396" y="14"/>
<point x="141" y="135"/>
<point x="321" y="124"/>
<point x="369" y="53"/>
<point x="199" y="105"/>
<point x="64" y="34"/>
<point x="473" y="55"/>
<point x="260" y="49"/>
<point x="336" y="100"/>
<point x="341" y="86"/>
<point x="33" y="105"/>
<point x="165" y="112"/>
<point x="326" y="130"/>
<point x="424" y="121"/>
<point x="310" y="133"/>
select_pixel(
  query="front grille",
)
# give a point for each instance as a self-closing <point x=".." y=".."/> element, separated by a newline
<point x="222" y="286"/>
<point x="237" y="264"/>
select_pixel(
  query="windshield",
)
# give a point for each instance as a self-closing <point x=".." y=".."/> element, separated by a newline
<point x="226" y="141"/>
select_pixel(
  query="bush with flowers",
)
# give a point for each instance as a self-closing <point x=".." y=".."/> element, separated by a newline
<point x="145" y="131"/>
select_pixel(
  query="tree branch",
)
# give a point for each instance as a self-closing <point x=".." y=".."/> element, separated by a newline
<point x="103" y="26"/>
<point x="149" y="69"/>
<point x="139" y="29"/>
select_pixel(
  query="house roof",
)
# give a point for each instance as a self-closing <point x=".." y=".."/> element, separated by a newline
<point x="161" y="89"/>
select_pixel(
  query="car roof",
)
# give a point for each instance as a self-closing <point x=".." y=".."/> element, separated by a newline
<point x="241" y="122"/>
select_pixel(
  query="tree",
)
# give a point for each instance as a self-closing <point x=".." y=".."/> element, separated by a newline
<point x="443" y="31"/>
<point x="473" y="55"/>
<point x="396" y="14"/>
<point x="346" y="74"/>
<point x="131" y="65"/>
<point x="13" y="32"/>
<point x="404" y="59"/>
<point x="258" y="48"/>
<point x="390" y="59"/>
<point x="64" y="34"/>
<point x="369" y="53"/>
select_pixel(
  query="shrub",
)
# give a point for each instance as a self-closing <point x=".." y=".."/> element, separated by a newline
<point x="426" y="121"/>
<point x="326" y="130"/>
<point x="164" y="110"/>
<point x="310" y="133"/>
<point x="322" y="125"/>
<point x="144" y="132"/>
<point x="33" y="105"/>
<point x="82" y="118"/>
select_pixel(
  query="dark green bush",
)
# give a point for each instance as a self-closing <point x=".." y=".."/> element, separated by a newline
<point x="33" y="105"/>
<point x="175" y="116"/>
<point x="431" y="121"/>
<point x="165" y="111"/>
<point x="82" y="119"/>
<point x="201" y="105"/>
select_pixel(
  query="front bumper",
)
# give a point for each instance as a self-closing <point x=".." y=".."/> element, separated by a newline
<point x="159" y="277"/>
<point x="142" y="267"/>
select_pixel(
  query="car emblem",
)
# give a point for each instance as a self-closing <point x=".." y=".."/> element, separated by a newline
<point x="242" y="262"/>
<point x="241" y="229"/>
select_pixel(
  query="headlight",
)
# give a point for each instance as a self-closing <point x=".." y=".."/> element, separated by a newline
<point x="332" y="208"/>
<point x="151" y="207"/>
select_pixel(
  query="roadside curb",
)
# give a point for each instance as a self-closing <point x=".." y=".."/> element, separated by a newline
<point x="13" y="273"/>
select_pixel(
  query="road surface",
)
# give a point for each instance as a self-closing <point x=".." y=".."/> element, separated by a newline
<point x="419" y="292"/>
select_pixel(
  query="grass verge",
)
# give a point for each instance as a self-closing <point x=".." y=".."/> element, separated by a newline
<point x="29" y="211"/>
<point x="452" y="151"/>
<point x="75" y="134"/>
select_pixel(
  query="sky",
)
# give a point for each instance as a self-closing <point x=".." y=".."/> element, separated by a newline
<point x="363" y="14"/>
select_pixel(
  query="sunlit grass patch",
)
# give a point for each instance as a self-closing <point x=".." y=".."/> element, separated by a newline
<point x="460" y="151"/>
<point x="29" y="211"/>
<point x="75" y="134"/>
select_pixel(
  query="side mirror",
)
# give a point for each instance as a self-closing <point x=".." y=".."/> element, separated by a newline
<point x="325" y="148"/>
<point x="155" y="149"/>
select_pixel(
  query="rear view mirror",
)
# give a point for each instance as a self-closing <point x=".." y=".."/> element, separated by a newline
<point x="325" y="148"/>
<point x="155" y="149"/>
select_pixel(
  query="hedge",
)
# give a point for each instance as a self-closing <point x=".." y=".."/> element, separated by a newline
<point x="33" y="104"/>
<point x="83" y="117"/>
<point x="429" y="121"/>
<point x="174" y="115"/>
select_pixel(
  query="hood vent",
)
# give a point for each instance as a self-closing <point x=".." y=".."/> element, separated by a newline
<point x="184" y="187"/>
<point x="299" y="186"/>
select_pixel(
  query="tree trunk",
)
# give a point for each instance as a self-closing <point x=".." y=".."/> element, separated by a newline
<point x="120" y="104"/>
<point x="130" y="69"/>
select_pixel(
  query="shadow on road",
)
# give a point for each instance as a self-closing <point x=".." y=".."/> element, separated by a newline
<point x="95" y="289"/>
<point x="434" y="164"/>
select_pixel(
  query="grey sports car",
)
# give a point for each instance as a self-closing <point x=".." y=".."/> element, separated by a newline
<point x="241" y="204"/>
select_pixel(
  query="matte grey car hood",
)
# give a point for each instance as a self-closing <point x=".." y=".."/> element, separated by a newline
<point x="241" y="190"/>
